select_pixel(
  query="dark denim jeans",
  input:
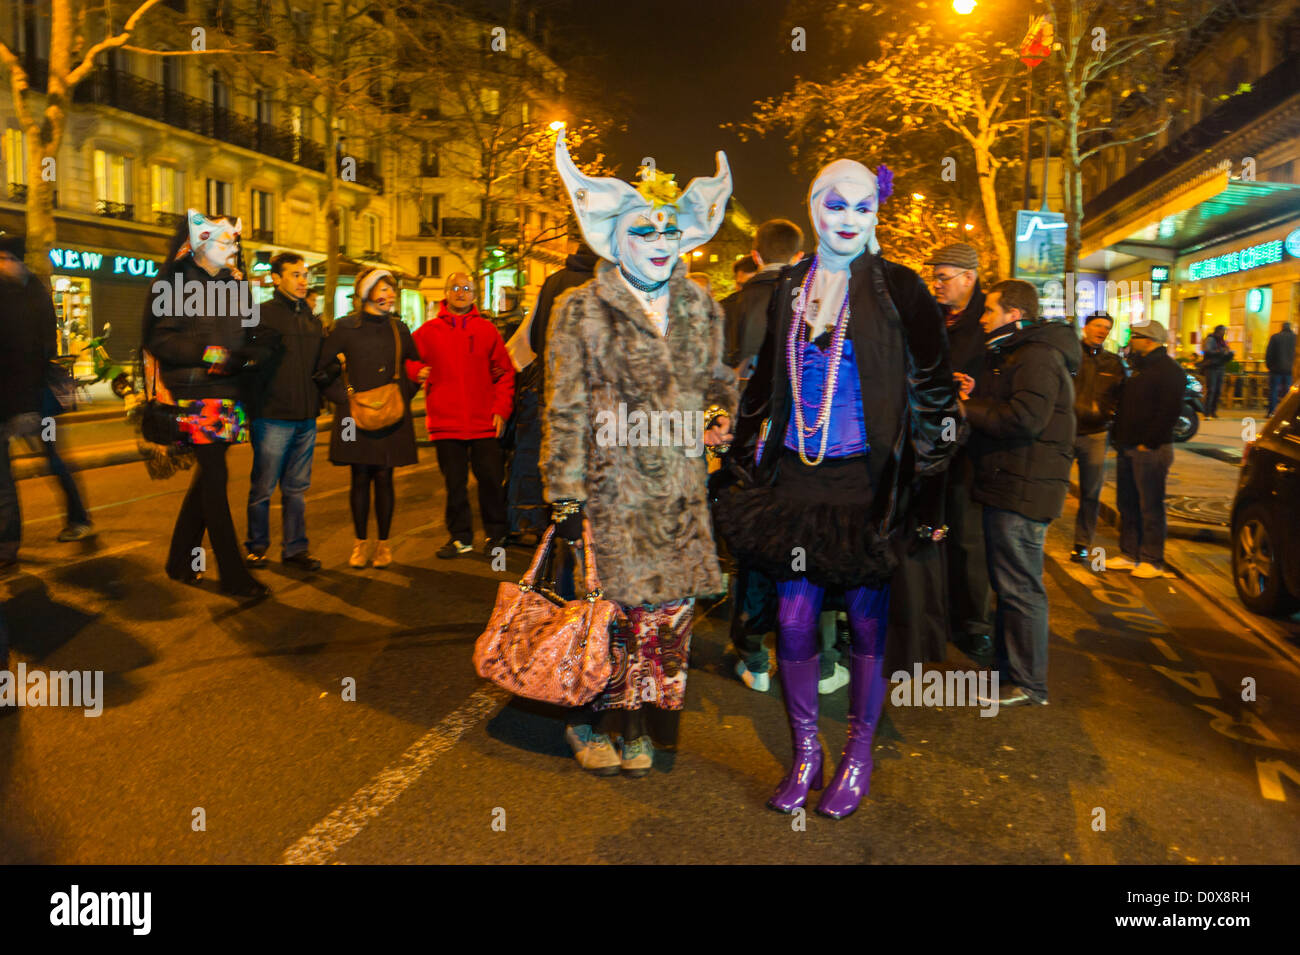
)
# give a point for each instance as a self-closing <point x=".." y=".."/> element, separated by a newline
<point x="282" y="453"/>
<point x="1278" y="385"/>
<point x="1140" y="479"/>
<point x="1014" y="545"/>
<point x="1090" y="452"/>
<point x="1213" y="388"/>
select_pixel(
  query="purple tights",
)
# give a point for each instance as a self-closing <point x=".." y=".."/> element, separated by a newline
<point x="800" y="602"/>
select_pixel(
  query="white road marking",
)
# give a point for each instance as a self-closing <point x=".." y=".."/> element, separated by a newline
<point x="344" y="823"/>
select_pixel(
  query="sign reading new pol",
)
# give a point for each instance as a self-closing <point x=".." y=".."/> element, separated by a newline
<point x="85" y="262"/>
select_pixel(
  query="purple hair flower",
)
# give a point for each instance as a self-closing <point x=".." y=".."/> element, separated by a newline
<point x="884" y="182"/>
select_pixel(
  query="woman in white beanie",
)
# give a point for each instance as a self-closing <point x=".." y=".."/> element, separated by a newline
<point x="365" y="351"/>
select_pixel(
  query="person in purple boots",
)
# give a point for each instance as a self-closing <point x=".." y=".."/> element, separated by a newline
<point x="864" y="418"/>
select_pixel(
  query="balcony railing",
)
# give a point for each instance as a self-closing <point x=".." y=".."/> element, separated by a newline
<point x="428" y="228"/>
<point x="262" y="235"/>
<point x="172" y="220"/>
<point x="125" y="91"/>
<point x="114" y="210"/>
<point x="460" y="228"/>
<point x="429" y="169"/>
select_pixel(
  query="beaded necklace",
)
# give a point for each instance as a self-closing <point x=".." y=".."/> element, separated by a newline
<point x="794" y="353"/>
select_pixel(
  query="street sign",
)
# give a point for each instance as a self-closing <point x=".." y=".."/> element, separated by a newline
<point x="1040" y="258"/>
<point x="1037" y="44"/>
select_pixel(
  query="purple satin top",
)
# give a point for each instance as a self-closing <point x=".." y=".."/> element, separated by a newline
<point x="848" y="432"/>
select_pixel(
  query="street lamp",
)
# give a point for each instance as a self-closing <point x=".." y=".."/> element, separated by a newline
<point x="963" y="6"/>
<point x="557" y="125"/>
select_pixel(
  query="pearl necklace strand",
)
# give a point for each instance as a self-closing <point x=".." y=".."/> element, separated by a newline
<point x="794" y="354"/>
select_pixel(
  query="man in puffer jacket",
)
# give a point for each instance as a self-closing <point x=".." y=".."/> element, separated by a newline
<point x="469" y="384"/>
<point x="1022" y="417"/>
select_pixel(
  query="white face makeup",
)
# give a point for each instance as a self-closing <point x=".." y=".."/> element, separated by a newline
<point x="214" y="242"/>
<point x="644" y="252"/>
<point x="846" y="218"/>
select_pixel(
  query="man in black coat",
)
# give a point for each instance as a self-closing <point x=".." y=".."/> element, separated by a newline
<point x="1279" y="359"/>
<point x="956" y="284"/>
<point x="1096" y="397"/>
<point x="528" y="513"/>
<point x="777" y="243"/>
<point x="1144" y="443"/>
<point x="284" y="416"/>
<point x="1215" y="355"/>
<point x="1022" y="416"/>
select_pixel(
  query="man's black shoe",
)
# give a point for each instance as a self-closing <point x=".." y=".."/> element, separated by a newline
<point x="1079" y="553"/>
<point x="251" y="590"/>
<point x="492" y="543"/>
<point x="977" y="646"/>
<point x="453" y="548"/>
<point x="191" y="577"/>
<point x="302" y="560"/>
<point x="254" y="559"/>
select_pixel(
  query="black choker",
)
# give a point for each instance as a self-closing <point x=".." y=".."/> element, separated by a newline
<point x="639" y="285"/>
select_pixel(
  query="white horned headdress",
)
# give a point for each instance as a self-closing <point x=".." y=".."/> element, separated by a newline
<point x="600" y="201"/>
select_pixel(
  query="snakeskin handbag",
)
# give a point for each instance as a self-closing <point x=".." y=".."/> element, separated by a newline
<point x="543" y="647"/>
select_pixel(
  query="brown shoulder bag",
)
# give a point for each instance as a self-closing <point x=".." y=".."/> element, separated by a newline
<point x="377" y="408"/>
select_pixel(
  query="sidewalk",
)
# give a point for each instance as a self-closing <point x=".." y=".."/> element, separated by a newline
<point x="1199" y="497"/>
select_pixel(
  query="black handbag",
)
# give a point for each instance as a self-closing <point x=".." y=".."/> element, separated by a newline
<point x="158" y="419"/>
<point x="61" y="387"/>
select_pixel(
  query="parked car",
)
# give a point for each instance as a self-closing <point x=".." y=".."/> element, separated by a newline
<point x="1266" y="515"/>
<point x="1189" y="418"/>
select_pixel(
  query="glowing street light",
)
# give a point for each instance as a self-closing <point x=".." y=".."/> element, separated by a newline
<point x="557" y="125"/>
<point x="963" y="6"/>
<point x="969" y="227"/>
<point x="918" y="197"/>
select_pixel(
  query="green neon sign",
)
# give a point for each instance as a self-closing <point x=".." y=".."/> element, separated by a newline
<point x="1242" y="260"/>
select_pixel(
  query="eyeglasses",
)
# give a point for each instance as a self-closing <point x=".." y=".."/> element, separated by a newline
<point x="941" y="279"/>
<point x="462" y="288"/>
<point x="672" y="235"/>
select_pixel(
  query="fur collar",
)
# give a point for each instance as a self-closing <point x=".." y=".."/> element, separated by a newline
<point x="612" y="290"/>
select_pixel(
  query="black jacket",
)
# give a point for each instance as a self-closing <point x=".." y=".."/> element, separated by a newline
<point x="1097" y="389"/>
<point x="1215" y="353"/>
<point x="913" y="420"/>
<point x="287" y="391"/>
<point x="966" y="337"/>
<point x="27" y="342"/>
<point x="368" y="344"/>
<point x="1279" y="356"/>
<point x="746" y="314"/>
<point x="1022" y="413"/>
<point x="579" y="269"/>
<point x="179" y="341"/>
<point x="1151" y="402"/>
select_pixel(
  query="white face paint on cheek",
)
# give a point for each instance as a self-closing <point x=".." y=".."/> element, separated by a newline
<point x="846" y="231"/>
<point x="648" y="262"/>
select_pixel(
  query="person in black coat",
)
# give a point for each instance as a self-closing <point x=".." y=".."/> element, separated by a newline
<point x="1149" y="408"/>
<point x="374" y="345"/>
<point x="204" y="361"/>
<point x="857" y="350"/>
<point x="1022" y="418"/>
<point x="1215" y="356"/>
<point x="1279" y="359"/>
<point x="527" y="511"/>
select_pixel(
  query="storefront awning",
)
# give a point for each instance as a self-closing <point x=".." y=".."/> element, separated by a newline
<point x="1210" y="210"/>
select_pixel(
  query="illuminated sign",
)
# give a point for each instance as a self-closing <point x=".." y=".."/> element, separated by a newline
<point x="1292" y="243"/>
<point x="1039" y="258"/>
<point x="1242" y="260"/>
<point x="1255" y="300"/>
<point x="1159" y="273"/>
<point x="96" y="263"/>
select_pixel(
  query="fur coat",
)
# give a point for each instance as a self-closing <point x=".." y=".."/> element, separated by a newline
<point x="647" y="505"/>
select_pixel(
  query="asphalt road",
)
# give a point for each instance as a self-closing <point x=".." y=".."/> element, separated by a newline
<point x="225" y="736"/>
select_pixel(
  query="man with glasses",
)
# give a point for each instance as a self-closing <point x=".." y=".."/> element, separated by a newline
<point x="955" y="280"/>
<point x="469" y="384"/>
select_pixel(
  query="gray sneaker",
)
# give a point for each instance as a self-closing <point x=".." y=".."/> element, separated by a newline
<point x="593" y="751"/>
<point x="76" y="532"/>
<point x="638" y="756"/>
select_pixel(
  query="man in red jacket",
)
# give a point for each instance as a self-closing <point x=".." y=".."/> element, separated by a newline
<point x="469" y="384"/>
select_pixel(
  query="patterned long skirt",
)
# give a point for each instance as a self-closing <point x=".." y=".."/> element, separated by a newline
<point x="650" y="651"/>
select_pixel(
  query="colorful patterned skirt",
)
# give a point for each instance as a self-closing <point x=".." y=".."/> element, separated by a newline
<point x="650" y="650"/>
<point x="212" y="421"/>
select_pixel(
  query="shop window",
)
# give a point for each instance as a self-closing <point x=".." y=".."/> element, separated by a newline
<point x="370" y="230"/>
<point x="431" y="266"/>
<point x="113" y="197"/>
<point x="490" y="101"/>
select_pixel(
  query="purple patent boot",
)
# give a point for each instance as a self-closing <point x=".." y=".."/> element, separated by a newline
<point x="799" y="684"/>
<point x="867" y="688"/>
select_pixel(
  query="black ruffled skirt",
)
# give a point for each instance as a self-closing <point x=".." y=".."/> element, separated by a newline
<point x="814" y="522"/>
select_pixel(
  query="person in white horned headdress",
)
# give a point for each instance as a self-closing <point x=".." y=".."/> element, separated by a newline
<point x="635" y="388"/>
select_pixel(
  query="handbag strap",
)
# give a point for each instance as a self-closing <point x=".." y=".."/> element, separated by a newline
<point x="590" y="579"/>
<point x="397" y="350"/>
